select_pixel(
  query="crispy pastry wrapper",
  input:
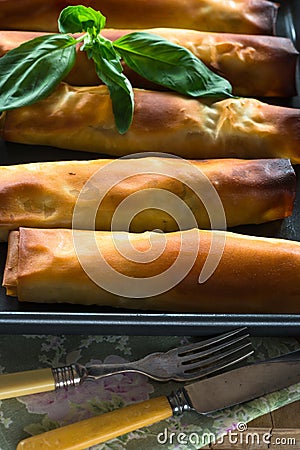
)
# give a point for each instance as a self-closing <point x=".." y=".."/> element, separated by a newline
<point x="254" y="275"/>
<point x="236" y="16"/>
<point x="44" y="195"/>
<point x="81" y="118"/>
<point x="248" y="62"/>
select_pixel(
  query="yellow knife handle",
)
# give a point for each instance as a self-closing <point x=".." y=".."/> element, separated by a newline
<point x="25" y="383"/>
<point x="101" y="428"/>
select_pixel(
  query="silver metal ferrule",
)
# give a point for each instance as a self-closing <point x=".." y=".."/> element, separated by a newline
<point x="179" y="402"/>
<point x="67" y="376"/>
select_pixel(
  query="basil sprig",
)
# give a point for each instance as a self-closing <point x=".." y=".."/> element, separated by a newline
<point x="75" y="19"/>
<point x="32" y="71"/>
<point x="109" y="70"/>
<point x="170" y="65"/>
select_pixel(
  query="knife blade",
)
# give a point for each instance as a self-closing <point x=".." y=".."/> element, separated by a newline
<point x="212" y="394"/>
<point x="241" y="385"/>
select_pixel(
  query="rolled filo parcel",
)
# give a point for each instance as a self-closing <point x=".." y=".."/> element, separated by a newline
<point x="236" y="16"/>
<point x="248" y="62"/>
<point x="81" y="118"/>
<point x="44" y="195"/>
<point x="155" y="271"/>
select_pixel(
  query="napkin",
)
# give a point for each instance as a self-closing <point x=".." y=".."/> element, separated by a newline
<point x="35" y="414"/>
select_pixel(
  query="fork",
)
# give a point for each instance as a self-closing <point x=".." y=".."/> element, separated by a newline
<point x="179" y="364"/>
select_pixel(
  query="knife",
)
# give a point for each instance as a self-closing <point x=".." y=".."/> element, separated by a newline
<point x="205" y="396"/>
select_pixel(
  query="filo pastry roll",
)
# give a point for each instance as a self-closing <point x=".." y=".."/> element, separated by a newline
<point x="44" y="195"/>
<point x="248" y="62"/>
<point x="253" y="275"/>
<point x="236" y="16"/>
<point x="81" y="118"/>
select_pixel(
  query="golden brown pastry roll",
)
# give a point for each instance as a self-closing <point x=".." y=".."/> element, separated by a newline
<point x="248" y="62"/>
<point x="155" y="271"/>
<point x="236" y="16"/>
<point x="81" y="118"/>
<point x="43" y="195"/>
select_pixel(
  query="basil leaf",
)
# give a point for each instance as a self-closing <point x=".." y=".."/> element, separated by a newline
<point x="109" y="70"/>
<point x="170" y="65"/>
<point x="75" y="19"/>
<point x="31" y="72"/>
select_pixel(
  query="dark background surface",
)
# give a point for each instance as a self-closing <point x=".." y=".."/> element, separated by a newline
<point x="31" y="318"/>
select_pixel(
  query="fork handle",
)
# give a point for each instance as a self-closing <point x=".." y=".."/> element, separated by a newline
<point x="101" y="428"/>
<point x="41" y="380"/>
<point x="25" y="383"/>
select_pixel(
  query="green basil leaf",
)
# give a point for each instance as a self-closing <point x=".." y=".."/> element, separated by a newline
<point x="109" y="70"/>
<point x="75" y="19"/>
<point x="31" y="72"/>
<point x="170" y="65"/>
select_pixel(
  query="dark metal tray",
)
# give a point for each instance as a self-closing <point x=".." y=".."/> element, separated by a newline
<point x="31" y="318"/>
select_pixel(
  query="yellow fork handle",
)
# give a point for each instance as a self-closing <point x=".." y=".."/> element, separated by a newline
<point x="101" y="428"/>
<point x="25" y="383"/>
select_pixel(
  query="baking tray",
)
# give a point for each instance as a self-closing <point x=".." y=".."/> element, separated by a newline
<point x="31" y="318"/>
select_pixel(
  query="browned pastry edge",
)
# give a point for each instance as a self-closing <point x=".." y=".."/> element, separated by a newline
<point x="44" y="195"/>
<point x="239" y="16"/>
<point x="254" y="275"/>
<point x="11" y="268"/>
<point x="249" y="62"/>
<point x="81" y="118"/>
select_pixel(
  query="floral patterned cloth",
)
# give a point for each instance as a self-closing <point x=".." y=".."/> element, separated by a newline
<point x="34" y="414"/>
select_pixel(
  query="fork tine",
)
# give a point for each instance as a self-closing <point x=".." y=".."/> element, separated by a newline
<point x="214" y="359"/>
<point x="216" y="368"/>
<point x="211" y="341"/>
<point x="201" y="373"/>
<point x="204" y="353"/>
